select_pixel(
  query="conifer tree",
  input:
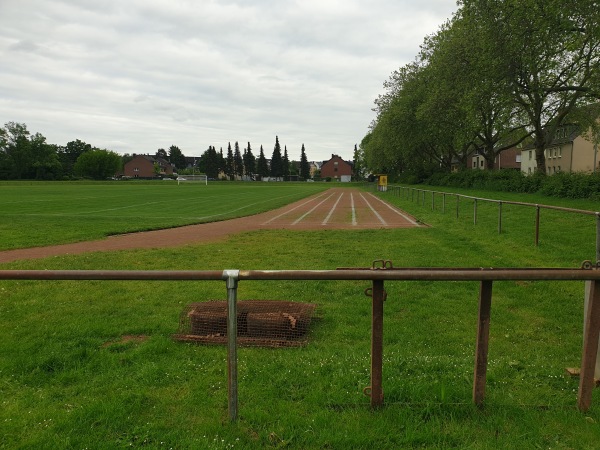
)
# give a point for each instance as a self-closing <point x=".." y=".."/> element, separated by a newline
<point x="249" y="161"/>
<point x="262" y="167"/>
<point x="304" y="166"/>
<point x="238" y="163"/>
<point x="286" y="164"/>
<point x="229" y="164"/>
<point x="276" y="160"/>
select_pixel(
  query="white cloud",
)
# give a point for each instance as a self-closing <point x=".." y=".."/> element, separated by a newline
<point x="139" y="75"/>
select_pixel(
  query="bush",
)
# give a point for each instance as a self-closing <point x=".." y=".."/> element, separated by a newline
<point x="566" y="185"/>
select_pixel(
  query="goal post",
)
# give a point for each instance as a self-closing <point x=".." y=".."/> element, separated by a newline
<point x="193" y="179"/>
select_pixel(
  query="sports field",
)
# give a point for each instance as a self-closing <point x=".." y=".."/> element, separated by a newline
<point x="90" y="364"/>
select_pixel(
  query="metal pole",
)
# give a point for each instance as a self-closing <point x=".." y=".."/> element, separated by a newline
<point x="537" y="225"/>
<point x="590" y="348"/>
<point x="499" y="217"/>
<point x="597" y="236"/>
<point x="444" y="204"/>
<point x="432" y="201"/>
<point x="475" y="212"/>
<point x="457" y="200"/>
<point x="483" y="335"/>
<point x="377" y="344"/>
<point x="232" y="277"/>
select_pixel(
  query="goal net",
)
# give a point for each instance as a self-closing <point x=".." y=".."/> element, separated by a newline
<point x="192" y="179"/>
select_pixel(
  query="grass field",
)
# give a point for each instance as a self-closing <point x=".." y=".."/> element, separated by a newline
<point x="37" y="214"/>
<point x="69" y="378"/>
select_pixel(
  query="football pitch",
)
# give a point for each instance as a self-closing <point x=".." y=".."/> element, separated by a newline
<point x="38" y="214"/>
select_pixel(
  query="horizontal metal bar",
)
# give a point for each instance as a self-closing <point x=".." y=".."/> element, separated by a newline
<point x="400" y="274"/>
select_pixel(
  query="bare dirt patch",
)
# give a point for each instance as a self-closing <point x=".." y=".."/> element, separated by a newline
<point x="339" y="208"/>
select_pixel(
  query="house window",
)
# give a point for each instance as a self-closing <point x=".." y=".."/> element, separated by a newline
<point x="474" y="164"/>
<point x="136" y="169"/>
<point x="530" y="154"/>
<point x="558" y="169"/>
<point x="529" y="170"/>
<point x="481" y="163"/>
<point x="335" y="169"/>
<point x="560" y="152"/>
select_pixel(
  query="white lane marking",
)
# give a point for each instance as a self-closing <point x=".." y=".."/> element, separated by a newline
<point x="354" y="223"/>
<point x="290" y="210"/>
<point x="332" y="210"/>
<point x="374" y="212"/>
<point x="308" y="212"/>
<point x="404" y="216"/>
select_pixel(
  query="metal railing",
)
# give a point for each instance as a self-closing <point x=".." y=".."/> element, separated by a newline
<point x="378" y="274"/>
<point x="410" y="193"/>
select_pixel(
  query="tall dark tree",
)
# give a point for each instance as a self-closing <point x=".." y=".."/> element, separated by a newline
<point x="176" y="157"/>
<point x="277" y="170"/>
<point x="16" y="148"/>
<point x="209" y="163"/>
<point x="304" y="166"/>
<point x="285" y="163"/>
<point x="229" y="164"/>
<point x="222" y="161"/>
<point x="238" y="162"/>
<point x="98" y="164"/>
<point x="249" y="161"/>
<point x="162" y="153"/>
<point x="358" y="164"/>
<point x="68" y="155"/>
<point x="262" y="167"/>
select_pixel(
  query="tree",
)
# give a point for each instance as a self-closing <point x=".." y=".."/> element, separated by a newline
<point x="238" y="162"/>
<point x="209" y="163"/>
<point x="304" y="166"/>
<point x="68" y="155"/>
<point x="16" y="148"/>
<point x="98" y="164"/>
<point x="277" y="170"/>
<point x="262" y="167"/>
<point x="176" y="157"/>
<point x="285" y="163"/>
<point x="358" y="164"/>
<point x="551" y="51"/>
<point x="229" y="164"/>
<point x="249" y="161"/>
<point x="45" y="164"/>
<point x="162" y="153"/>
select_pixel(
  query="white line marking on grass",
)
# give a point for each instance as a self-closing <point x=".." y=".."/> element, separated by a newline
<point x="299" y="219"/>
<point x="374" y="212"/>
<point x="354" y="223"/>
<point x="404" y="216"/>
<point x="290" y="210"/>
<point x="332" y="210"/>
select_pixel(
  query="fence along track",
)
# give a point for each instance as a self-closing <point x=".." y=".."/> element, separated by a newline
<point x="378" y="274"/>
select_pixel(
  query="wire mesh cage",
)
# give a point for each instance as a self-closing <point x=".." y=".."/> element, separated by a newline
<point x="265" y="323"/>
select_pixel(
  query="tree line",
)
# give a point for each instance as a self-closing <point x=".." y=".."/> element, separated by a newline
<point x="28" y="156"/>
<point x="498" y="74"/>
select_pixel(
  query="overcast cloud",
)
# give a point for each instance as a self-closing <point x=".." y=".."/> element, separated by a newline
<point x="134" y="76"/>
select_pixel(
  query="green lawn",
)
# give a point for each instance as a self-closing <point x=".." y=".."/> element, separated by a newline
<point x="67" y="380"/>
<point x="37" y="214"/>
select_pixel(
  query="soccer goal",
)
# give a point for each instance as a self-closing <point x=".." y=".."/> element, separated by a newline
<point x="192" y="179"/>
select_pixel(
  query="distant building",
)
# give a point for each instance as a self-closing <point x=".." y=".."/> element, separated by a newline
<point x="337" y="169"/>
<point x="147" y="166"/>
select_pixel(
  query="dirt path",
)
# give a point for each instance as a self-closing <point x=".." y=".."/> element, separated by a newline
<point x="339" y="208"/>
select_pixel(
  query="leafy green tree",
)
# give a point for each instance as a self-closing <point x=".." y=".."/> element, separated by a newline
<point x="238" y="162"/>
<point x="16" y="146"/>
<point x="176" y="157"/>
<point x="68" y="155"/>
<point x="98" y="164"/>
<point x="277" y="169"/>
<point x="304" y="166"/>
<point x="551" y="55"/>
<point x="262" y="167"/>
<point x="162" y="153"/>
<point x="230" y="164"/>
<point x="209" y="163"/>
<point x="45" y="164"/>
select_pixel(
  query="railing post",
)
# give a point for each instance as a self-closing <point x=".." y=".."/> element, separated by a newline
<point x="537" y="225"/>
<point x="499" y="217"/>
<point x="377" y="344"/>
<point x="457" y="200"/>
<point x="432" y="201"/>
<point x="598" y="236"/>
<point x="591" y="333"/>
<point x="483" y="334"/>
<point x="444" y="204"/>
<point x="231" y="278"/>
<point x="474" y="211"/>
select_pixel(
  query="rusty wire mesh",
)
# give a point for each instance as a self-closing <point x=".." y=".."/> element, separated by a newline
<point x="265" y="323"/>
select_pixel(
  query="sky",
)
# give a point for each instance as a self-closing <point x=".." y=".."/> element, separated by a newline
<point x="133" y="76"/>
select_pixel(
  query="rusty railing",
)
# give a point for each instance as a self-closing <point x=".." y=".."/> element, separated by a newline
<point x="378" y="274"/>
<point x="410" y="193"/>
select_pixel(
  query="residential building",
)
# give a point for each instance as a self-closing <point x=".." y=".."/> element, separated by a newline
<point x="569" y="151"/>
<point x="147" y="166"/>
<point x="337" y="169"/>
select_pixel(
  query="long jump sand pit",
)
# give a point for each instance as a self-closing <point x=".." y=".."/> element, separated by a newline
<point x="336" y="208"/>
